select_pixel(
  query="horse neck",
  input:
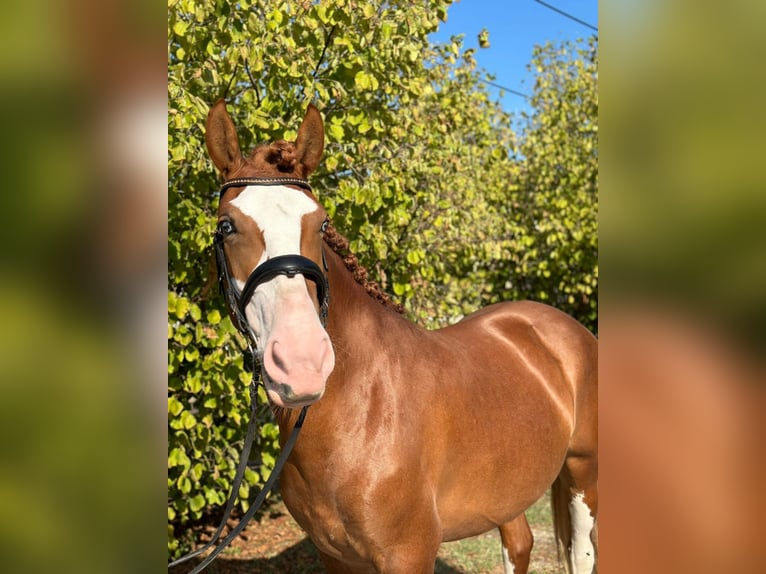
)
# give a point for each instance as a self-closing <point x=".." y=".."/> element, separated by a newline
<point x="357" y="323"/>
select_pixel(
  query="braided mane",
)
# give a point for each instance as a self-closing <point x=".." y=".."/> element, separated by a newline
<point x="339" y="245"/>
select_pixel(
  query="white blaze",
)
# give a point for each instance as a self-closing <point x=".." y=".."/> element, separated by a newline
<point x="278" y="212"/>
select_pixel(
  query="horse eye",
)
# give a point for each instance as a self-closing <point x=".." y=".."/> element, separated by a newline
<point x="324" y="226"/>
<point x="225" y="227"/>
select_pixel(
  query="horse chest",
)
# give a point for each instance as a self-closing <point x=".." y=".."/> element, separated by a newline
<point x="334" y="521"/>
<point x="350" y="510"/>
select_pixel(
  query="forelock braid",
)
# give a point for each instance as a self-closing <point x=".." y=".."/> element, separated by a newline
<point x="340" y="245"/>
<point x="282" y="154"/>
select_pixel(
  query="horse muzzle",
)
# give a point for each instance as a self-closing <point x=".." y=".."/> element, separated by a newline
<point x="296" y="365"/>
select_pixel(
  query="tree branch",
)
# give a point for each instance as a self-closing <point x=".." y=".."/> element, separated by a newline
<point x="231" y="80"/>
<point x="253" y="83"/>
<point x="324" y="50"/>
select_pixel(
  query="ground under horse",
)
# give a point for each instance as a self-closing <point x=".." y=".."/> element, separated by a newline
<point x="414" y="437"/>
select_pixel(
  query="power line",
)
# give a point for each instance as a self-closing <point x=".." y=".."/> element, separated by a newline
<point x="567" y="15"/>
<point x="512" y="91"/>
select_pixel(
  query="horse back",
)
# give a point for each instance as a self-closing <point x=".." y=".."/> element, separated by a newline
<point x="530" y="336"/>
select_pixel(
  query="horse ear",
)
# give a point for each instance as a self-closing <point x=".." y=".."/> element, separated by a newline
<point x="221" y="139"/>
<point x="309" y="144"/>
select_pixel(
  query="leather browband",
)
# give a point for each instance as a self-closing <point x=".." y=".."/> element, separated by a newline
<point x="243" y="181"/>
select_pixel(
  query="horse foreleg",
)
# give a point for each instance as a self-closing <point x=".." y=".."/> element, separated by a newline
<point x="517" y="540"/>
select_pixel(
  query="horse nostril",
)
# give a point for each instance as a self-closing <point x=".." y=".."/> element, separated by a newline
<point x="279" y="362"/>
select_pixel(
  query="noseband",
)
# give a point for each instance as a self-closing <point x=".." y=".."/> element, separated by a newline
<point x="288" y="265"/>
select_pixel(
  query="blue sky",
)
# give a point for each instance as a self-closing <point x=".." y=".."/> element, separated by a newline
<point x="515" y="27"/>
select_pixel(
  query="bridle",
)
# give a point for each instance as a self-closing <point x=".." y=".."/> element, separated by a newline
<point x="237" y="301"/>
<point x="289" y="265"/>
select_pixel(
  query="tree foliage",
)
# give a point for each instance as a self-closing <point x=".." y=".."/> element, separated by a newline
<point x="554" y="245"/>
<point x="447" y="208"/>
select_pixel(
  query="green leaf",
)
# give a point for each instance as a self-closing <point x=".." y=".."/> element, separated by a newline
<point x="197" y="503"/>
<point x="337" y="132"/>
<point x="174" y="406"/>
<point x="210" y="403"/>
<point x="191" y="354"/>
<point x="365" y="81"/>
<point x="182" y="307"/>
<point x="251" y="476"/>
<point x="172" y="302"/>
<point x="413" y="257"/>
<point x="322" y="13"/>
<point x="178" y="457"/>
<point x="180" y="27"/>
<point x="484" y="38"/>
<point x="364" y="126"/>
<point x="187" y="420"/>
<point x="184" y="485"/>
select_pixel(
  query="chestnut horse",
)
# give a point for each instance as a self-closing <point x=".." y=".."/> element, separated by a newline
<point x="415" y="437"/>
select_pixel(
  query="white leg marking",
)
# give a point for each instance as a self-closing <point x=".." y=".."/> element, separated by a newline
<point x="583" y="553"/>
<point x="509" y="569"/>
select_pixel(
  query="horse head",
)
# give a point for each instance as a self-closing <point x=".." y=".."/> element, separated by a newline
<point x="270" y="230"/>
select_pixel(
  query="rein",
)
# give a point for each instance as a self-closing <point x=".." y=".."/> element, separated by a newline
<point x="237" y="301"/>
